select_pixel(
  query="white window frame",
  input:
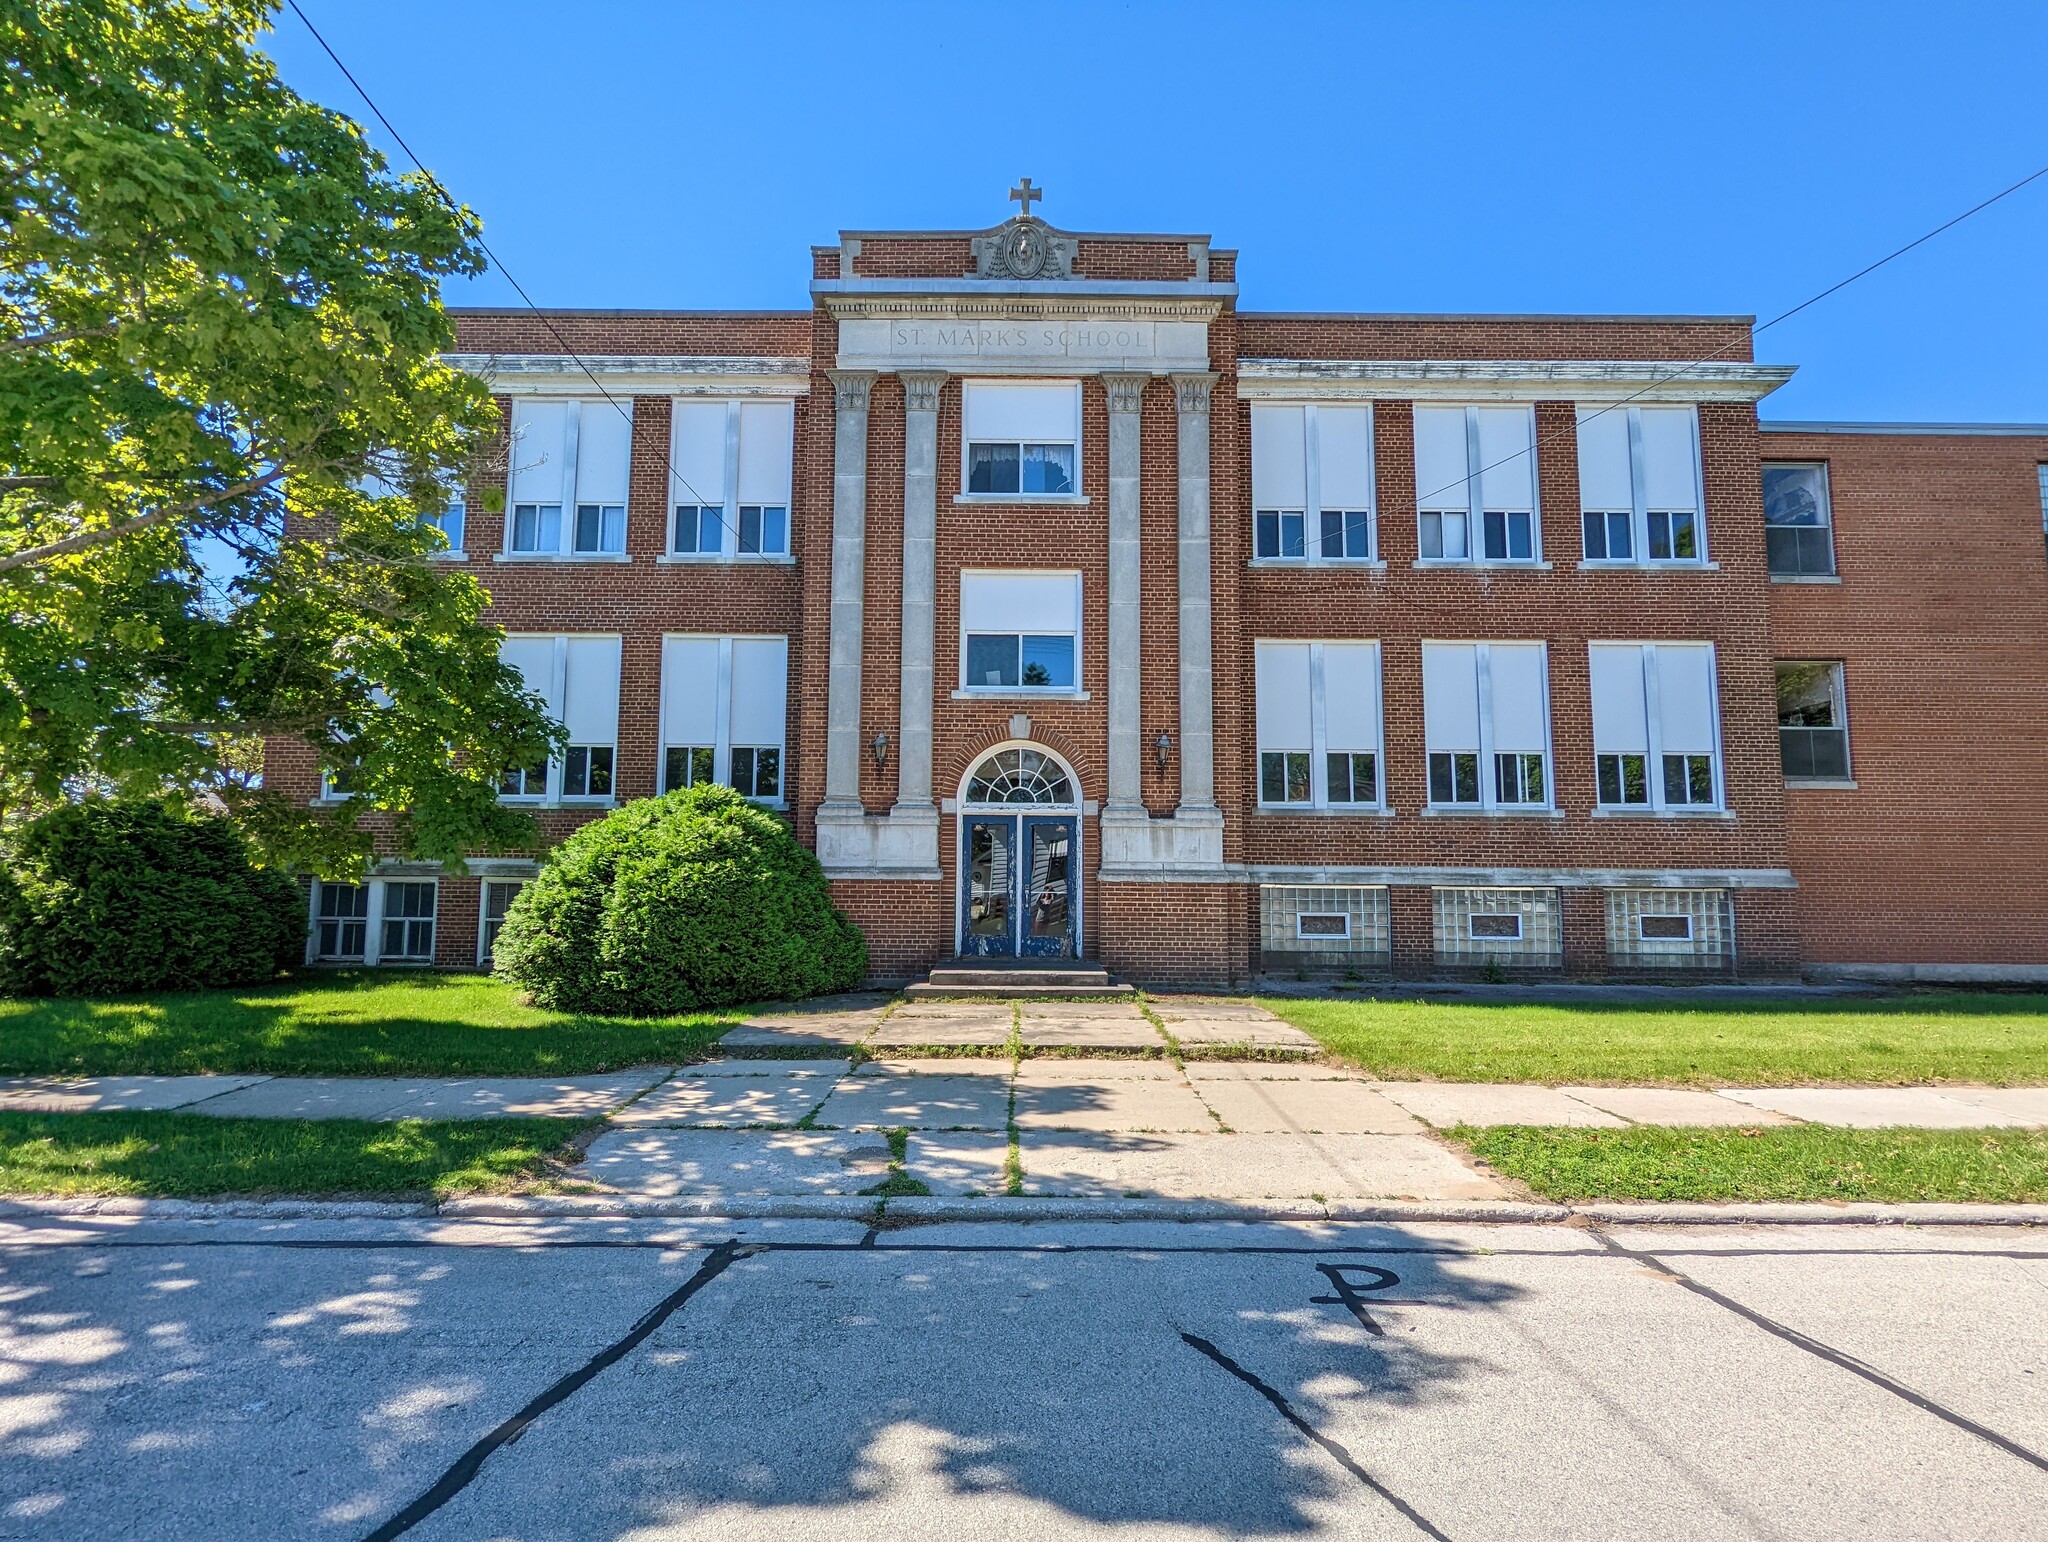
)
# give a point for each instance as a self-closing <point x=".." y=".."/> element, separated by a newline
<point x="1473" y="918"/>
<point x="564" y="549"/>
<point x="722" y="746"/>
<point x="483" y="914"/>
<point x="1323" y="915"/>
<point x="551" y="794"/>
<point x="1312" y="512"/>
<point x="731" y="510"/>
<point x="314" y="955"/>
<point x="1827" y="520"/>
<point x="1639" y="510"/>
<point x="1074" y="692"/>
<point x="1080" y="492"/>
<point x="1474" y="489"/>
<point x="1489" y="798"/>
<point x="457" y="551"/>
<point x="1653" y="738"/>
<point x="1319" y="751"/>
<point x="432" y="922"/>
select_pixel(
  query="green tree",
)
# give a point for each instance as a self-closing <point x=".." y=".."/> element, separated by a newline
<point x="220" y="323"/>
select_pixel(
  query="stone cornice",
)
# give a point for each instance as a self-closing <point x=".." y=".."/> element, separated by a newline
<point x="1508" y="379"/>
<point x="984" y="299"/>
<point x="555" y="374"/>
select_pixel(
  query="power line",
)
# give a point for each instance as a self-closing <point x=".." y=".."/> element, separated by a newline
<point x="520" y="289"/>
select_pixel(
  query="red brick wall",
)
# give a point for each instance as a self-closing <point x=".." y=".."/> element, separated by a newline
<point x="1941" y="621"/>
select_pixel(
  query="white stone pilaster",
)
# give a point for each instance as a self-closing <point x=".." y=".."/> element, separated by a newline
<point x="920" y="591"/>
<point x="850" y="390"/>
<point x="1197" y="687"/>
<point x="1126" y="575"/>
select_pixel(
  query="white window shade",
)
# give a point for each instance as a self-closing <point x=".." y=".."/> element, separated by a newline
<point x="1506" y="439"/>
<point x="1344" y="446"/>
<point x="689" y="690"/>
<point x="534" y="658"/>
<point x="1521" y="694"/>
<point x="1037" y="413"/>
<point x="1685" y="697"/>
<point x="1450" y="696"/>
<point x="1670" y="464"/>
<point x="1281" y="683"/>
<point x="1020" y="602"/>
<point x="1351" y="696"/>
<point x="760" y="682"/>
<point x="697" y="452"/>
<point x="1620" y="717"/>
<point x="590" y="710"/>
<point x="539" y="440"/>
<point x="604" y="453"/>
<point x="1604" y="480"/>
<point x="766" y="436"/>
<point x="1440" y="458"/>
<point x="1279" y="458"/>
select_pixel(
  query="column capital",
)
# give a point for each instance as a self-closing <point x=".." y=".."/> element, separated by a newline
<point x="921" y="389"/>
<point x="1126" y="392"/>
<point x="1191" y="392"/>
<point x="850" y="388"/>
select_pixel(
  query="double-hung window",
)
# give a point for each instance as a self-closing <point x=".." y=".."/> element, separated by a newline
<point x="571" y="462"/>
<point x="724" y="707"/>
<point x="1656" y="726"/>
<point x="1020" y="633"/>
<point x="729" y="478"/>
<point x="498" y="894"/>
<point x="1021" y="439"/>
<point x="1813" y="722"/>
<point x="1486" y="724"/>
<point x="341" y="920"/>
<point x="1318" y="717"/>
<point x="1799" y="533"/>
<point x="451" y="520"/>
<point x="578" y="678"/>
<point x="1639" y="485"/>
<point x="408" y="929"/>
<point x="1312" y="483"/>
<point x="1475" y="484"/>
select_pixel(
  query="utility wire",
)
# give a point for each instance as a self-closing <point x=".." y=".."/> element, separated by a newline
<point x="484" y="246"/>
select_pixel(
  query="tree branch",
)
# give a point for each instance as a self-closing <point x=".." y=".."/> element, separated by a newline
<point x="52" y="339"/>
<point x="85" y="538"/>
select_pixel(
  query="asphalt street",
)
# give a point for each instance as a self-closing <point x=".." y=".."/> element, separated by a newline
<point x="661" y="1379"/>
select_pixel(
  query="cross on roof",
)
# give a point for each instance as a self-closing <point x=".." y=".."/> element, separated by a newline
<point x="1023" y="193"/>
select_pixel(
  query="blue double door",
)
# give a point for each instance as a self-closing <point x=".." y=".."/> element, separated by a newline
<point x="1019" y="886"/>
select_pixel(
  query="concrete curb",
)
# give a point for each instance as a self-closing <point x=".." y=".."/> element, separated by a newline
<point x="922" y="1210"/>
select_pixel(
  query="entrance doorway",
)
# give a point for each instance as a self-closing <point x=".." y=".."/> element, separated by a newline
<point x="1020" y="868"/>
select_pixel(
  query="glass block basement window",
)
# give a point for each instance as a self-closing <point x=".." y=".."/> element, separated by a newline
<point x="1670" y="928"/>
<point x="1324" y="926"/>
<point x="1520" y="928"/>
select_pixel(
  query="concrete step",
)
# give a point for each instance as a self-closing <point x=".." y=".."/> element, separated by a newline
<point x="927" y="990"/>
<point x="975" y="974"/>
<point x="992" y="979"/>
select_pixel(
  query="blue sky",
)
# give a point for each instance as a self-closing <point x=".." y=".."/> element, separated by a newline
<point x="1727" y="159"/>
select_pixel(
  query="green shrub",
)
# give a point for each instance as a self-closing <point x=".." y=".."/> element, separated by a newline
<point x="105" y="898"/>
<point x="695" y="899"/>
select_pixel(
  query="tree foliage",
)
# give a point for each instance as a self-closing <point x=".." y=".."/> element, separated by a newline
<point x="220" y="322"/>
<point x="695" y="899"/>
<point x="102" y="898"/>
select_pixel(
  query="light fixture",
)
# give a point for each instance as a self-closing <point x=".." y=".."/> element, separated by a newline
<point x="1162" y="748"/>
<point x="879" y="747"/>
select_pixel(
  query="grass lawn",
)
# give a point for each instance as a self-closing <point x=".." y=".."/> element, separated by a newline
<point x="1932" y="1036"/>
<point x="366" y="1023"/>
<point x="1772" y="1163"/>
<point x="190" y="1155"/>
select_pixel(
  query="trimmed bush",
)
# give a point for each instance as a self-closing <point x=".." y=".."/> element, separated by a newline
<point x="108" y="898"/>
<point x="695" y="899"/>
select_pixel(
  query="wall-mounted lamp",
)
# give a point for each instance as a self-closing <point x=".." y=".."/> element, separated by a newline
<point x="1162" y="747"/>
<point x="879" y="748"/>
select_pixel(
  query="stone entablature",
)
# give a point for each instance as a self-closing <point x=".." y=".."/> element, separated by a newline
<point x="1596" y="381"/>
<point x="634" y="374"/>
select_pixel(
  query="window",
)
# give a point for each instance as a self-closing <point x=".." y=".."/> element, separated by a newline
<point x="1318" y="720"/>
<point x="723" y="712"/>
<point x="1486" y="724"/>
<point x="1019" y="632"/>
<point x="1334" y="928"/>
<point x="1475" y="484"/>
<point x="2042" y="472"/>
<point x="1813" y="722"/>
<point x="1639" y="485"/>
<point x="729" y="478"/>
<point x="451" y="521"/>
<point x="1670" y="928"/>
<point x="1308" y="924"/>
<point x="578" y="678"/>
<point x="1312" y="483"/>
<point x="575" y="456"/>
<point x="1021" y="440"/>
<point x="408" y="931"/>
<point x="1507" y="926"/>
<point x="497" y="903"/>
<point x="1799" y="539"/>
<point x="1656" y="726"/>
<point x="341" y="917"/>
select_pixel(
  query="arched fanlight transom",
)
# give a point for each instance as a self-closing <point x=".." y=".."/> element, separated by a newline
<point x="1020" y="776"/>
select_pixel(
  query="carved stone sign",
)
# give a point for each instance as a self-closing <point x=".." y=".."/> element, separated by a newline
<point x="1025" y="342"/>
